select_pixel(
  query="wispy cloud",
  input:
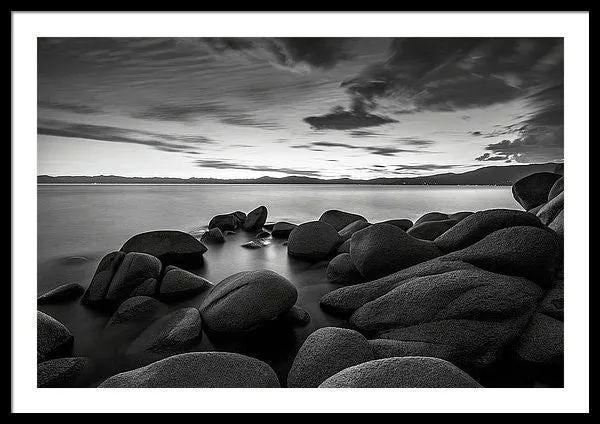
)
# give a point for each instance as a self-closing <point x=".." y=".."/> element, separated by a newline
<point x="346" y="120"/>
<point x="225" y="164"/>
<point x="70" y="107"/>
<point x="376" y="150"/>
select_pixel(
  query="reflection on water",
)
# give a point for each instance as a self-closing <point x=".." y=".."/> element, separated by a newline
<point x="77" y="225"/>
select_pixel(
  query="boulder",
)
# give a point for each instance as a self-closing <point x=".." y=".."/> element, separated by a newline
<point x="135" y="313"/>
<point x="557" y="188"/>
<point x="313" y="240"/>
<point x="389" y="348"/>
<point x="478" y="225"/>
<point x="339" y="219"/>
<point x="407" y="372"/>
<point x="214" y="235"/>
<point x="198" y="369"/>
<point x="528" y="252"/>
<point x="53" y="338"/>
<point x="430" y="230"/>
<point x="341" y="270"/>
<point x="550" y="210"/>
<point x="225" y="222"/>
<point x="558" y="224"/>
<point x="63" y="293"/>
<point x="296" y="316"/>
<point x="171" y="247"/>
<point x="179" y="283"/>
<point x="536" y="209"/>
<point x="553" y="303"/>
<point x="346" y="232"/>
<point x="432" y="216"/>
<point x="263" y="235"/>
<point x="459" y="216"/>
<point x="326" y="352"/>
<point x="240" y="218"/>
<point x="282" y="229"/>
<point x="100" y="283"/>
<point x="170" y="333"/>
<point x="344" y="247"/>
<point x="254" y="244"/>
<point x="255" y="219"/>
<point x="542" y="342"/>
<point x="383" y="249"/>
<point x="403" y="224"/>
<point x="247" y="300"/>
<point x="533" y="190"/>
<point x="62" y="372"/>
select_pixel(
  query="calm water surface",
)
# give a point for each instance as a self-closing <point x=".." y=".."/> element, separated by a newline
<point x="78" y="224"/>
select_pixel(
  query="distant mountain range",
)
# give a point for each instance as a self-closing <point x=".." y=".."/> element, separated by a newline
<point x="490" y="175"/>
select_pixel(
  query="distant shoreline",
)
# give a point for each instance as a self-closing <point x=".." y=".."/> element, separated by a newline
<point x="271" y="184"/>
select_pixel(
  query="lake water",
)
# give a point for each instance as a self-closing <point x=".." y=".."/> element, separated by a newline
<point x="79" y="224"/>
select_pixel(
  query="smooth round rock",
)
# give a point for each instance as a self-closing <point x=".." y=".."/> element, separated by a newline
<point x="62" y="372"/>
<point x="346" y="232"/>
<point x="313" y="240"/>
<point x="255" y="219"/>
<point x="339" y="219"/>
<point x="341" y="270"/>
<point x="137" y="311"/>
<point x="247" y="300"/>
<point x="557" y="188"/>
<point x="432" y="216"/>
<point x="550" y="210"/>
<point x="224" y="222"/>
<point x="179" y="283"/>
<point x="430" y="230"/>
<point x="403" y="224"/>
<point x="53" y="338"/>
<point x="171" y="247"/>
<point x="326" y="352"/>
<point x="198" y="369"/>
<point x="533" y="190"/>
<point x="407" y="372"/>
<point x="214" y="235"/>
<point x="542" y="341"/>
<point x="282" y="229"/>
<point x="63" y="293"/>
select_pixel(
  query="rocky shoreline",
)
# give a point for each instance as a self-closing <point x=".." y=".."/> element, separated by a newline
<point x="453" y="300"/>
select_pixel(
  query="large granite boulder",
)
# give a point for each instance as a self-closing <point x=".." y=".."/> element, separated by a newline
<point x="62" y="372"/>
<point x="480" y="224"/>
<point x="198" y="369"/>
<point x="339" y="219"/>
<point x="383" y="249"/>
<point x="533" y="190"/>
<point x="247" y="300"/>
<point x="170" y="333"/>
<point x="120" y="276"/>
<point x="326" y="352"/>
<point x="341" y="270"/>
<point x="346" y="232"/>
<point x="432" y="216"/>
<point x="63" y="293"/>
<point x="134" y="314"/>
<point x="407" y="372"/>
<point x="224" y="222"/>
<point x="171" y="247"/>
<point x="53" y="338"/>
<point x="214" y="235"/>
<point x="430" y="230"/>
<point x="557" y="188"/>
<point x="178" y="283"/>
<point x="282" y="229"/>
<point x="403" y="224"/>
<point x="255" y="219"/>
<point x="550" y="210"/>
<point x="313" y="241"/>
<point x="542" y="342"/>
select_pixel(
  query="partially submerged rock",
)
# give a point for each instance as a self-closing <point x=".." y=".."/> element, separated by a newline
<point x="341" y="270"/>
<point x="214" y="235"/>
<point x="63" y="293"/>
<point x="339" y="219"/>
<point x="247" y="300"/>
<point x="533" y="190"/>
<point x="255" y="219"/>
<point x="282" y="229"/>
<point x="62" y="372"/>
<point x="430" y="230"/>
<point x="198" y="369"/>
<point x="53" y="338"/>
<point x="314" y="240"/>
<point x="346" y="232"/>
<point x="171" y="247"/>
<point x="179" y="283"/>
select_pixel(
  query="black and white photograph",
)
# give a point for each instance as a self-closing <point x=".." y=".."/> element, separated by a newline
<point x="304" y="212"/>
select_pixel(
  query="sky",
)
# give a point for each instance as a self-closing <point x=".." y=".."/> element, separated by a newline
<point x="319" y="107"/>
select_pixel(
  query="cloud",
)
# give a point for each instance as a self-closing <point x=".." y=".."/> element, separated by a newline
<point x="223" y="164"/>
<point x="294" y="54"/>
<point x="362" y="133"/>
<point x="163" y="142"/>
<point x="346" y="120"/>
<point x="376" y="150"/>
<point x="488" y="157"/>
<point x="194" y="112"/>
<point x="416" y="141"/>
<point x="424" y="167"/>
<point x="70" y="107"/>
<point x="475" y="133"/>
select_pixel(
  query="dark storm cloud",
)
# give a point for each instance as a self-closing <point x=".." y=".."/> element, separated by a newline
<point x="416" y="141"/>
<point x="194" y="112"/>
<point x="289" y="53"/>
<point x="475" y="133"/>
<point x="346" y="120"/>
<point x="376" y="150"/>
<point x="163" y="142"/>
<point x="223" y="164"/>
<point x="70" y="107"/>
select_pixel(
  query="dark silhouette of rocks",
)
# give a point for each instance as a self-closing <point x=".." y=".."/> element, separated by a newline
<point x="247" y="300"/>
<point x="430" y="230"/>
<point x="533" y="190"/>
<point x="403" y="224"/>
<point x="214" y="235"/>
<point x="198" y="369"/>
<point x="341" y="270"/>
<point x="62" y="372"/>
<point x="63" y="293"/>
<point x="339" y="219"/>
<point x="432" y="216"/>
<point x="313" y="240"/>
<point x="53" y="338"/>
<point x="346" y="232"/>
<point x="135" y="312"/>
<point x="282" y="229"/>
<point x="408" y="372"/>
<point x="178" y="283"/>
<point x="171" y="247"/>
<point x="557" y="188"/>
<point x="326" y="352"/>
<point x="255" y="219"/>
